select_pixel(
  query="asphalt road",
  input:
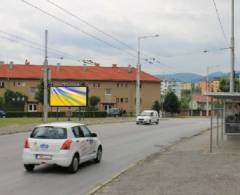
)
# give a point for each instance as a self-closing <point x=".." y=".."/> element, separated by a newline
<point x="123" y="145"/>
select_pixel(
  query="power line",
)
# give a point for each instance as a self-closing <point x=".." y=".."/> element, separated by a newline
<point x="220" y="22"/>
<point x="90" y="25"/>
<point x="76" y="28"/>
<point x="32" y="44"/>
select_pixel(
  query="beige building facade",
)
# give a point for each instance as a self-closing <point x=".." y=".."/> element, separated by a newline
<point x="117" y="93"/>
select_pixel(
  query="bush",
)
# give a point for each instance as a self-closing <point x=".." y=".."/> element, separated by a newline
<point x="87" y="114"/>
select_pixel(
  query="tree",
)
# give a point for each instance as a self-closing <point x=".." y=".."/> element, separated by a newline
<point x="94" y="101"/>
<point x="184" y="103"/>
<point x="40" y="92"/>
<point x="156" y="106"/>
<point x="14" y="101"/>
<point x="171" y="103"/>
<point x="224" y="85"/>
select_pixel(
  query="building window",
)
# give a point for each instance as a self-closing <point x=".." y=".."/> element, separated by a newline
<point x="32" y="107"/>
<point x="117" y="100"/>
<point x="121" y="84"/>
<point x="33" y="90"/>
<point x="96" y="85"/>
<point x="126" y="84"/>
<point x="108" y="91"/>
<point x="126" y="100"/>
<point x="121" y="100"/>
<point x="1" y="84"/>
<point x="117" y="84"/>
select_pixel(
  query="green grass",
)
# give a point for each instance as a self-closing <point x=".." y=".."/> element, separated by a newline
<point x="25" y="121"/>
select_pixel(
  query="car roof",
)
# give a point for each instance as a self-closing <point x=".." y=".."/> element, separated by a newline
<point x="61" y="124"/>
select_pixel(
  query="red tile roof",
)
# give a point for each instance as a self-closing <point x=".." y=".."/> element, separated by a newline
<point x="201" y="98"/>
<point x="99" y="73"/>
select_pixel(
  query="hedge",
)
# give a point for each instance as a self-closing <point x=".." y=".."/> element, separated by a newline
<point x="87" y="114"/>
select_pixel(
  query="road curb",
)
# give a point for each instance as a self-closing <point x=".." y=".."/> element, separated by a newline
<point x="162" y="151"/>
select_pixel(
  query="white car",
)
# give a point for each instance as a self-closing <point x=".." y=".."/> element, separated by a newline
<point x="63" y="143"/>
<point x="148" y="117"/>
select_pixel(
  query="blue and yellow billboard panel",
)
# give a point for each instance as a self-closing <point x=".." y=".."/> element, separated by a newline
<point x="68" y="96"/>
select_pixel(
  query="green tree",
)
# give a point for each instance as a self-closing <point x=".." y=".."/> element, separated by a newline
<point x="171" y="103"/>
<point x="184" y="103"/>
<point x="14" y="101"/>
<point x="1" y="102"/>
<point x="156" y="106"/>
<point x="224" y="85"/>
<point x="40" y="92"/>
<point x="94" y="101"/>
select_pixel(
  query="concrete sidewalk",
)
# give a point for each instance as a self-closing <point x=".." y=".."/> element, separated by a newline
<point x="185" y="168"/>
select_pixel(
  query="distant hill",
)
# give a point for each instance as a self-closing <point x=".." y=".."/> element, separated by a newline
<point x="182" y="77"/>
<point x="191" y="77"/>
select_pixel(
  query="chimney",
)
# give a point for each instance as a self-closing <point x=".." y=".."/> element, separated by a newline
<point x="1" y="63"/>
<point x="114" y="65"/>
<point x="84" y="67"/>
<point x="27" y="62"/>
<point x="58" y="66"/>
<point x="97" y="64"/>
<point x="129" y="68"/>
<point x="11" y="65"/>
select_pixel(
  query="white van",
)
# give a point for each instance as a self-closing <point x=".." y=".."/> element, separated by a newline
<point x="148" y="117"/>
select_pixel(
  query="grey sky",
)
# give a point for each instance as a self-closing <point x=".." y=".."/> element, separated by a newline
<point x="186" y="27"/>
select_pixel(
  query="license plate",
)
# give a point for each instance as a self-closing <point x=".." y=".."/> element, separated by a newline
<point x="43" y="157"/>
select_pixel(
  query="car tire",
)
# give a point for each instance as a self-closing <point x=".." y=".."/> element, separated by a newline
<point x="29" y="167"/>
<point x="157" y="122"/>
<point x="99" y="155"/>
<point x="73" y="168"/>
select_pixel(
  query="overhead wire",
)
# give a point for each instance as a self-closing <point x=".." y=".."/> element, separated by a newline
<point x="90" y="25"/>
<point x="220" y="23"/>
<point x="77" y="28"/>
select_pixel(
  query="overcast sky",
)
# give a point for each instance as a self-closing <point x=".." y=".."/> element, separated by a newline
<point x="185" y="28"/>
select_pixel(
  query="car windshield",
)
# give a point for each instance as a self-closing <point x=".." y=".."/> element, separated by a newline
<point x="145" y="114"/>
<point x="49" y="132"/>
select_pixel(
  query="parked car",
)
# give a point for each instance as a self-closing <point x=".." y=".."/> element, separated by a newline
<point x="148" y="117"/>
<point x="2" y="114"/>
<point x="114" y="112"/>
<point x="63" y="143"/>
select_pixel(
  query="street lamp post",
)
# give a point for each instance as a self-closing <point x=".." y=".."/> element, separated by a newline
<point x="207" y="81"/>
<point x="138" y="73"/>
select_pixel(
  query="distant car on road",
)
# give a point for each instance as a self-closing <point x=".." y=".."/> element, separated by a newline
<point x="148" y="117"/>
<point x="114" y="112"/>
<point x="2" y="114"/>
<point x="63" y="143"/>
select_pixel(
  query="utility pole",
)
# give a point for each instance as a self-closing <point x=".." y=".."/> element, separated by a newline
<point x="232" y="52"/>
<point x="138" y="80"/>
<point x="45" y="81"/>
<point x="207" y="113"/>
<point x="138" y="95"/>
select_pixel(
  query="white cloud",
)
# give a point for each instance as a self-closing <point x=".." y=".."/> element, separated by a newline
<point x="185" y="27"/>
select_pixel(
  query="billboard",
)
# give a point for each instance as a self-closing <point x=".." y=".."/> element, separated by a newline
<point x="68" y="96"/>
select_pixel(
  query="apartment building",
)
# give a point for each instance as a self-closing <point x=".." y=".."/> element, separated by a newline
<point x="115" y="86"/>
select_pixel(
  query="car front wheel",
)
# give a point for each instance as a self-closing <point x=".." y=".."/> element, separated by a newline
<point x="29" y="167"/>
<point x="99" y="155"/>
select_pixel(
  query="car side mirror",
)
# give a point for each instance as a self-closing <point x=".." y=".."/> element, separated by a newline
<point x="93" y="135"/>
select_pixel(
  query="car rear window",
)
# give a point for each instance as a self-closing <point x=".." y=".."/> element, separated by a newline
<point x="49" y="132"/>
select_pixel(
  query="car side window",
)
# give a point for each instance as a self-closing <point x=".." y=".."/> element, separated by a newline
<point x="77" y="131"/>
<point x="86" y="131"/>
<point x="151" y="113"/>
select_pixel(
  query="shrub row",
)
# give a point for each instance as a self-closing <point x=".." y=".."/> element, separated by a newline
<point x="87" y="114"/>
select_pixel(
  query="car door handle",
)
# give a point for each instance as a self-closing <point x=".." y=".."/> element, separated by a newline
<point x="77" y="141"/>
